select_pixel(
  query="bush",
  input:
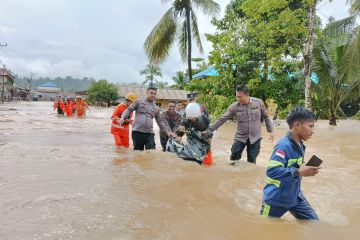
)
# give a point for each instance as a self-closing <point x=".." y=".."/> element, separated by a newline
<point x="283" y="113"/>
<point x="357" y="115"/>
<point x="102" y="92"/>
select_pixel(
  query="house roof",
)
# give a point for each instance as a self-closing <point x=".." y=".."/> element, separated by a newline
<point x="5" y="72"/>
<point x="209" y="72"/>
<point x="168" y="94"/>
<point x="48" y="84"/>
<point x="213" y="72"/>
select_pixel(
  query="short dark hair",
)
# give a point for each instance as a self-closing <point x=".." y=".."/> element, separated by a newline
<point x="243" y="88"/>
<point x="179" y="102"/>
<point x="300" y="113"/>
<point x="171" y="101"/>
<point x="151" y="88"/>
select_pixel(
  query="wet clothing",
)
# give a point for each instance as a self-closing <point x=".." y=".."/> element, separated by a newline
<point x="301" y="211"/>
<point x="121" y="133"/>
<point x="197" y="145"/>
<point x="69" y="106"/>
<point x="59" y="105"/>
<point x="172" y="121"/>
<point x="143" y="133"/>
<point x="248" y="121"/>
<point x="238" y="147"/>
<point x="141" y="140"/>
<point x="81" y="107"/>
<point x="146" y="111"/>
<point x="283" y="186"/>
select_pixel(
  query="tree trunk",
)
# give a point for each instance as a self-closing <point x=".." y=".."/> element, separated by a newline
<point x="332" y="120"/>
<point x="189" y="40"/>
<point x="308" y="53"/>
<point x="151" y="81"/>
<point x="276" y="113"/>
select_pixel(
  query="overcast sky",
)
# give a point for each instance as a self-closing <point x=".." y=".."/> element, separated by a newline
<point x="95" y="38"/>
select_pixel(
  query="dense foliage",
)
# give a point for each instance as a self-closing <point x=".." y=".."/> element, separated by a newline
<point x="102" y="92"/>
<point x="256" y="43"/>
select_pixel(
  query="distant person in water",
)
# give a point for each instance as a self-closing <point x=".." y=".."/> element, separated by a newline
<point x="81" y="107"/>
<point x="285" y="169"/>
<point x="59" y="106"/>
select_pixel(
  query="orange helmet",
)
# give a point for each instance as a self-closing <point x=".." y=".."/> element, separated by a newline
<point x="131" y="96"/>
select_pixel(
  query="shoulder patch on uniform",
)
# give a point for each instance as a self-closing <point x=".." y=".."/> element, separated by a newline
<point x="280" y="153"/>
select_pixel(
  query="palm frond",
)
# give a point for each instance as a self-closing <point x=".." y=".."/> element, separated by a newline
<point x="143" y="72"/>
<point x="349" y="90"/>
<point x="324" y="68"/>
<point x="145" y="82"/>
<point x="353" y="48"/>
<point x="209" y="7"/>
<point x="340" y="27"/>
<point x="157" y="45"/>
<point x="195" y="31"/>
<point x="355" y="7"/>
<point x="182" y="41"/>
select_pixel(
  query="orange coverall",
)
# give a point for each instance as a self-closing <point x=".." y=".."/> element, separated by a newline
<point x="60" y="105"/>
<point x="80" y="107"/>
<point x="120" y="133"/>
<point x="69" y="106"/>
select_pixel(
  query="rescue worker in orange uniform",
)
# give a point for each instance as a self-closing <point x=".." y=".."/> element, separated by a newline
<point x="59" y="105"/>
<point x="121" y="133"/>
<point x="69" y="106"/>
<point x="81" y="107"/>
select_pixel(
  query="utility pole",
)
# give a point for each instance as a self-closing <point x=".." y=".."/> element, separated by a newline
<point x="31" y="77"/>
<point x="3" y="78"/>
<point x="3" y="84"/>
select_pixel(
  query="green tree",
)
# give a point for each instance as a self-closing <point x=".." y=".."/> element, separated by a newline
<point x="254" y="41"/>
<point x="150" y="72"/>
<point x="338" y="69"/>
<point x="180" y="80"/>
<point x="161" y="85"/>
<point x="179" y="23"/>
<point x="102" y="92"/>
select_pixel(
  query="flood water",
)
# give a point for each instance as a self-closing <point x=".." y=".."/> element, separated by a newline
<point x="62" y="178"/>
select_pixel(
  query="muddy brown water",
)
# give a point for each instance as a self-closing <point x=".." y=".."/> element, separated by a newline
<point x="62" y="178"/>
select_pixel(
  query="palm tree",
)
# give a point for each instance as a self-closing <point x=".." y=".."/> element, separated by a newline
<point x="334" y="28"/>
<point x="180" y="80"/>
<point x="150" y="72"/>
<point x="336" y="62"/>
<point x="161" y="84"/>
<point x="179" y="23"/>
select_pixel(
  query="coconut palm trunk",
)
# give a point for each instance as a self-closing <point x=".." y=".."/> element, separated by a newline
<point x="332" y="117"/>
<point x="188" y="28"/>
<point x="308" y="53"/>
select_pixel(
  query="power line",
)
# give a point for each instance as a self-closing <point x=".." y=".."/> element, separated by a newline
<point x="13" y="60"/>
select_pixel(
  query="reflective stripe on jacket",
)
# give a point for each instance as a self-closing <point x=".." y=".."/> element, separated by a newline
<point x="283" y="183"/>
